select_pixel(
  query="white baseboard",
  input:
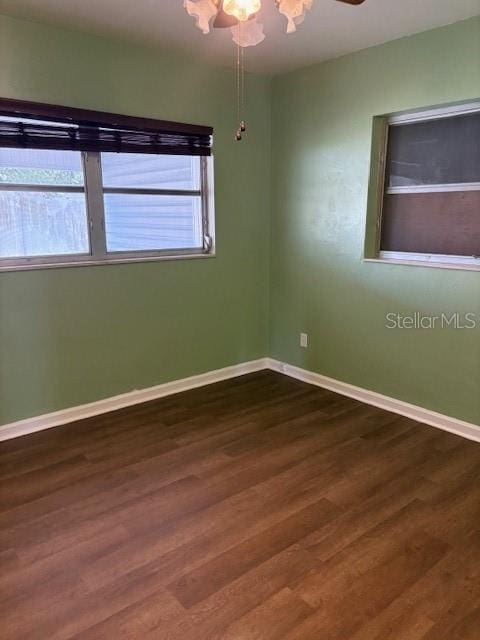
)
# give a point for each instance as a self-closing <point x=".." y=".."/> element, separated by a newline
<point x="432" y="418"/>
<point x="49" y="420"/>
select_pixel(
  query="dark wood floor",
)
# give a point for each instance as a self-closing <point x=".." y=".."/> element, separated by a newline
<point x="255" y="509"/>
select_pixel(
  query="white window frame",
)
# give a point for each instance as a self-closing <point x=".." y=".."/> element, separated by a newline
<point x="409" y="258"/>
<point x="94" y="202"/>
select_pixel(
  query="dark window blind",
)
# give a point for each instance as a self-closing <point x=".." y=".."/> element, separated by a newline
<point x="37" y="126"/>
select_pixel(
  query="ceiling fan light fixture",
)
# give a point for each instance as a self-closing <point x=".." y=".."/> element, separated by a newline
<point x="242" y="9"/>
<point x="294" y="11"/>
<point x="242" y="17"/>
<point x="248" y="34"/>
<point x="223" y="14"/>
<point x="203" y="11"/>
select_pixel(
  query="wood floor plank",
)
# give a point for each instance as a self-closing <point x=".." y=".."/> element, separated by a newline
<point x="271" y="620"/>
<point x="258" y="508"/>
<point x="364" y="598"/>
<point x="120" y="608"/>
<point x="146" y="613"/>
<point x="422" y="605"/>
<point x="195" y="586"/>
<point x="209" y="619"/>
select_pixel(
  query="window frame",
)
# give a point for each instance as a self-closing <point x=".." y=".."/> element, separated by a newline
<point x="378" y="190"/>
<point x="94" y="191"/>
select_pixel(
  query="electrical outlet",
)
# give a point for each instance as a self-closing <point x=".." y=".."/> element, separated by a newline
<point x="304" y="340"/>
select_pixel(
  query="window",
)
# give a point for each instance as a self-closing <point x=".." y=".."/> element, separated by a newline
<point x="152" y="203"/>
<point x="62" y="206"/>
<point x="42" y="204"/>
<point x="428" y="196"/>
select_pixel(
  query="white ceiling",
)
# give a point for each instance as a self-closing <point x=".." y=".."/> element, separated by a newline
<point x="331" y="28"/>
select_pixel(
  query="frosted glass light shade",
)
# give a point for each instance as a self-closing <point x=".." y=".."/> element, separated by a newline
<point x="248" y="34"/>
<point x="294" y="11"/>
<point x="203" y="11"/>
<point x="242" y="9"/>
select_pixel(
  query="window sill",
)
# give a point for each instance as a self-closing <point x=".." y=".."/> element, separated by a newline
<point x="110" y="261"/>
<point x="426" y="263"/>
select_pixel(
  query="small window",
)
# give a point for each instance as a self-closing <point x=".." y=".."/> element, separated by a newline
<point x="429" y="206"/>
<point x="43" y="210"/>
<point x="68" y="207"/>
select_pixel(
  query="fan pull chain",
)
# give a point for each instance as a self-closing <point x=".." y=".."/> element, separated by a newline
<point x="240" y="91"/>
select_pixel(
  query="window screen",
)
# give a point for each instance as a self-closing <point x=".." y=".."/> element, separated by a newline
<point x="432" y="187"/>
<point x="436" y="152"/>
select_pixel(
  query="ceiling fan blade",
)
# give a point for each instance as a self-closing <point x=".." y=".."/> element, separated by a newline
<point x="352" y="1"/>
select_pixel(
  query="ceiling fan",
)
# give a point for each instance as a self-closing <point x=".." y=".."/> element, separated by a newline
<point x="225" y="19"/>
<point x="242" y="18"/>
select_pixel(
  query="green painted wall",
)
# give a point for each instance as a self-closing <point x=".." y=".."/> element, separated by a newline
<point x="69" y="336"/>
<point x="321" y="133"/>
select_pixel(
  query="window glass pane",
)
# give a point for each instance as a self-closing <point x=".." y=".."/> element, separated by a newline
<point x="42" y="224"/>
<point x="446" y="223"/>
<point x="144" y="171"/>
<point x="445" y="151"/>
<point x="42" y="167"/>
<point x="152" y="222"/>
